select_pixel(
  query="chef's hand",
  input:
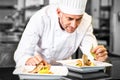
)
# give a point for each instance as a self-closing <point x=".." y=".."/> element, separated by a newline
<point x="33" y="61"/>
<point x="100" y="52"/>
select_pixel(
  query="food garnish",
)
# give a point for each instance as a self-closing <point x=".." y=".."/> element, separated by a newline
<point x="45" y="70"/>
<point x="92" y="53"/>
<point x="84" y="62"/>
<point x="42" y="69"/>
<point x="79" y="63"/>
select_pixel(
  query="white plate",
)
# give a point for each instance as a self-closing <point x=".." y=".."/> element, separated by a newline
<point x="58" y="72"/>
<point x="71" y="64"/>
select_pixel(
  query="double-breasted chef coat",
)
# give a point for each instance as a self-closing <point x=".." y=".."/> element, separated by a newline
<point x="44" y="36"/>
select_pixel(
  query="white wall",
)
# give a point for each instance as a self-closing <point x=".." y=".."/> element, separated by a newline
<point x="34" y="2"/>
<point x="53" y="1"/>
<point x="115" y="28"/>
<point x="95" y="13"/>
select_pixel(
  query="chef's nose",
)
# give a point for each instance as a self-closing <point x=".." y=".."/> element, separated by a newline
<point x="74" y="24"/>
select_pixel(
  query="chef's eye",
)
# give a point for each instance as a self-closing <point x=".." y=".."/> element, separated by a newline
<point x="78" y="19"/>
<point x="70" y="19"/>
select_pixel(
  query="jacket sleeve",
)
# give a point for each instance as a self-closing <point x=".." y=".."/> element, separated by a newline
<point x="29" y="40"/>
<point x="89" y="41"/>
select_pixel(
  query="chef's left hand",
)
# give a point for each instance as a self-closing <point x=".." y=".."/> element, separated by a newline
<point x="100" y="52"/>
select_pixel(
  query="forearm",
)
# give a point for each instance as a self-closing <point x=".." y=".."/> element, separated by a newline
<point x="89" y="41"/>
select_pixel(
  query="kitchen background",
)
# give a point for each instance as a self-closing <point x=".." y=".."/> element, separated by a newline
<point x="14" y="15"/>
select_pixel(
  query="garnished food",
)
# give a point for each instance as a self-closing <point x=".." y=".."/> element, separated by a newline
<point x="42" y="69"/>
<point x="45" y="70"/>
<point x="84" y="62"/>
<point x="79" y="63"/>
<point x="92" y="53"/>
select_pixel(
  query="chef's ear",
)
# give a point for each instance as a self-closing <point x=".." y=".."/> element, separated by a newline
<point x="58" y="12"/>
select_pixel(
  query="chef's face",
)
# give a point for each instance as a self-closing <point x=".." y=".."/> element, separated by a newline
<point x="69" y="22"/>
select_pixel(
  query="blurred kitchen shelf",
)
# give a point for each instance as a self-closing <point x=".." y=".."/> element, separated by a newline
<point x="7" y="7"/>
<point x="34" y="7"/>
<point x="8" y="2"/>
<point x="6" y="21"/>
<point x="10" y="37"/>
<point x="5" y="24"/>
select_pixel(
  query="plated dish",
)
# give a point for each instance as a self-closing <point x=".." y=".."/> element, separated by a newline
<point x="57" y="72"/>
<point x="71" y="64"/>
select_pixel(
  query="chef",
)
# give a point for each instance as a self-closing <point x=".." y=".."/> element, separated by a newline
<point x="55" y="32"/>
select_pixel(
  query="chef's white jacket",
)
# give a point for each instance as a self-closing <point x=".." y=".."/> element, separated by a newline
<point x="43" y="35"/>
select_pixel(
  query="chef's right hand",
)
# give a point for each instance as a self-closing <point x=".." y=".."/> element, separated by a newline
<point x="33" y="61"/>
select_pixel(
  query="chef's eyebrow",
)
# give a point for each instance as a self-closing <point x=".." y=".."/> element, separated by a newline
<point x="70" y="18"/>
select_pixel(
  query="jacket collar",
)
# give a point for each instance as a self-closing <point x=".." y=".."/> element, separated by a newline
<point x="85" y="23"/>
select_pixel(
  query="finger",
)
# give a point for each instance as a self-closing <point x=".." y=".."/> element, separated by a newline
<point x="38" y="58"/>
<point x="101" y="50"/>
<point x="32" y="64"/>
<point x="35" y="60"/>
<point x="28" y="62"/>
<point x="102" y="58"/>
<point x="45" y="62"/>
<point x="31" y="61"/>
<point x="102" y="55"/>
<point x="96" y="48"/>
